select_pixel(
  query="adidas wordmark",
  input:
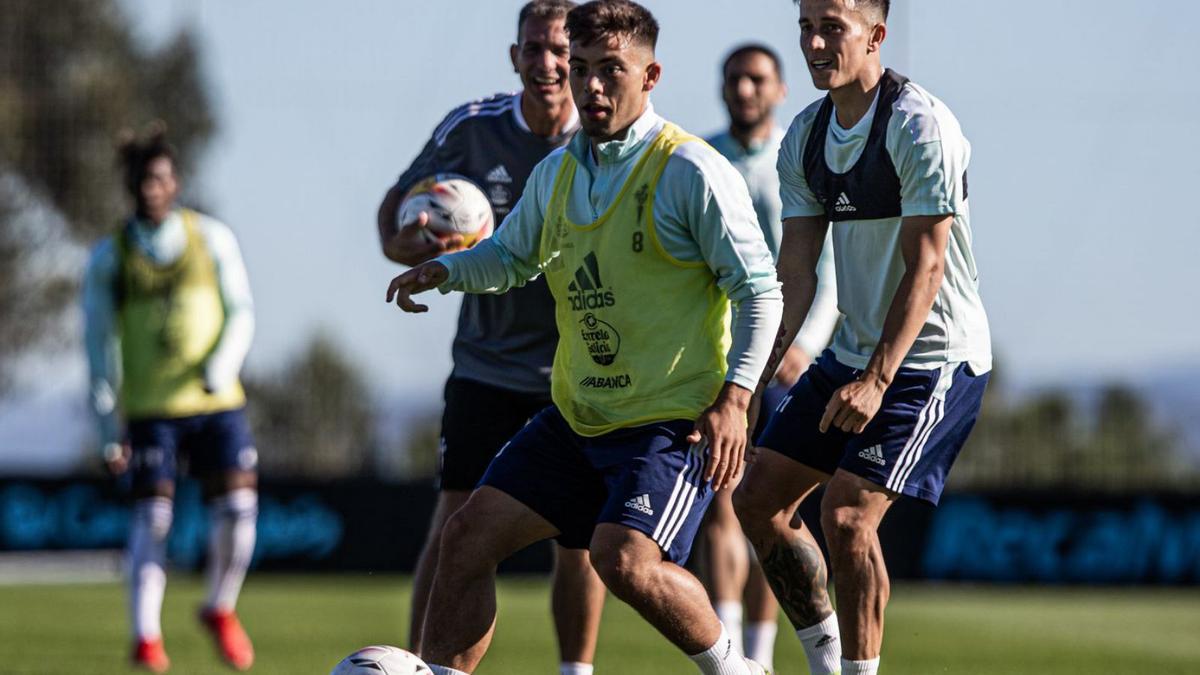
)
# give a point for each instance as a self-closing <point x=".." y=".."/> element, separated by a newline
<point x="642" y="504"/>
<point x="873" y="454"/>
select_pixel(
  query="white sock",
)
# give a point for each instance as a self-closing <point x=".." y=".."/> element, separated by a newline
<point x="574" y="668"/>
<point x="868" y="667"/>
<point x="823" y="646"/>
<point x="760" y="642"/>
<point x="730" y="614"/>
<point x="231" y="534"/>
<point x="444" y="670"/>
<point x="148" y="565"/>
<point x="721" y="658"/>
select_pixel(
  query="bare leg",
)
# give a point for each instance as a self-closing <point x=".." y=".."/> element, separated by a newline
<point x="669" y="597"/>
<point x="461" y="614"/>
<point x="850" y="516"/>
<point x="791" y="559"/>
<point x="762" y="612"/>
<point x="448" y="502"/>
<point x="728" y="559"/>
<point x="761" y="605"/>
<point x="577" y="601"/>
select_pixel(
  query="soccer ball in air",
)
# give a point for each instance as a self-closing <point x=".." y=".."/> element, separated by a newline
<point x="454" y="204"/>
<point x="381" y="660"/>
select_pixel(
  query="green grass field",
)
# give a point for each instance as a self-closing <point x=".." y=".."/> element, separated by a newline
<point x="305" y="624"/>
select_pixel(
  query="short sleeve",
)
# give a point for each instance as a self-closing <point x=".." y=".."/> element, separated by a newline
<point x="930" y="155"/>
<point x="797" y="199"/>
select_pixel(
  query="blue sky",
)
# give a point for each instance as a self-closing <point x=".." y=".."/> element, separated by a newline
<point x="1080" y="113"/>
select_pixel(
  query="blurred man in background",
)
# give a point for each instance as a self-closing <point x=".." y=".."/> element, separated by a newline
<point x="752" y="87"/>
<point x="886" y="410"/>
<point x="169" y="320"/>
<point x="505" y="343"/>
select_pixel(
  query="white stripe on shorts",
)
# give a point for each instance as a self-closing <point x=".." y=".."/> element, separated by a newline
<point x="930" y="415"/>
<point x="904" y="467"/>
<point x="690" y="498"/>
<point x="692" y="466"/>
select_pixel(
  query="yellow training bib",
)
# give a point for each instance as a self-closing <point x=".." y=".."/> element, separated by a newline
<point x="170" y="318"/>
<point x="642" y="336"/>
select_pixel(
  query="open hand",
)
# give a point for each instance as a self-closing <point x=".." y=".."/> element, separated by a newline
<point x="116" y="458"/>
<point x="417" y="280"/>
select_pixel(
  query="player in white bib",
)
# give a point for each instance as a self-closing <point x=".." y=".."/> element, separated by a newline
<point x="886" y="410"/>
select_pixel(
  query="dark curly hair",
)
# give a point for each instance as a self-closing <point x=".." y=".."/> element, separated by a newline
<point x="134" y="153"/>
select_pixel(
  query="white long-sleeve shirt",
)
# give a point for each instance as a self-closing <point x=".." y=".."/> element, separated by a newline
<point x="163" y="244"/>
<point x="702" y="212"/>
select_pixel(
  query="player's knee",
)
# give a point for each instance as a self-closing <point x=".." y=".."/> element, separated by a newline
<point x="846" y="528"/>
<point x="217" y="484"/>
<point x="461" y="539"/>
<point x="154" y="516"/>
<point x="575" y="566"/>
<point x="720" y="517"/>
<point x="619" y="567"/>
<point x="752" y="511"/>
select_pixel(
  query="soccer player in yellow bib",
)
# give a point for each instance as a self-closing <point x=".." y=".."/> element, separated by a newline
<point x="169" y="320"/>
<point x="644" y="234"/>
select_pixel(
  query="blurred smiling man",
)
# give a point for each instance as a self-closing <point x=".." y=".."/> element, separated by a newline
<point x="884" y="412"/>
<point x="645" y="235"/>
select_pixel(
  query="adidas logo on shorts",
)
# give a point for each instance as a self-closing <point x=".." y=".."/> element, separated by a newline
<point x="873" y="454"/>
<point x="641" y="504"/>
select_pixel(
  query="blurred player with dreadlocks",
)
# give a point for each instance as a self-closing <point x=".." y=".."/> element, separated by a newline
<point x="169" y="319"/>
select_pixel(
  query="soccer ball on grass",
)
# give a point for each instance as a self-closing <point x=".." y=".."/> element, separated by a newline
<point x="381" y="660"/>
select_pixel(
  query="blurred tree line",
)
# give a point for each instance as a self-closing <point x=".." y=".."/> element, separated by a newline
<point x="1107" y="441"/>
<point x="72" y="75"/>
<point x="314" y="416"/>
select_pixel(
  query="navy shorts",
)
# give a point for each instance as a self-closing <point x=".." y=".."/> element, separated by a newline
<point x="212" y="443"/>
<point x="647" y="478"/>
<point x="477" y="421"/>
<point x="910" y="444"/>
<point x="772" y="396"/>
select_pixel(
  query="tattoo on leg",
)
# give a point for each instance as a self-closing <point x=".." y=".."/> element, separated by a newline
<point x="796" y="572"/>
